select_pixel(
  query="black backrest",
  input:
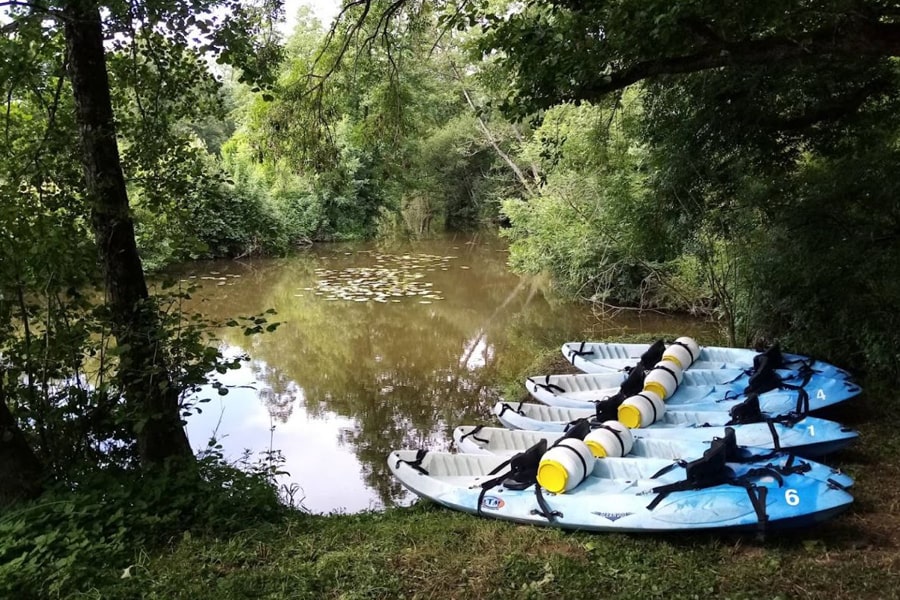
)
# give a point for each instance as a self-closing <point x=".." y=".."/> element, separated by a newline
<point x="746" y="412"/>
<point x="634" y="383"/>
<point x="579" y="429"/>
<point x="764" y="379"/>
<point x="528" y="460"/>
<point x="772" y="355"/>
<point x="653" y="354"/>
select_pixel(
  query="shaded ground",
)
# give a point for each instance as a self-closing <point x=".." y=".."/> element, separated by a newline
<point x="430" y="552"/>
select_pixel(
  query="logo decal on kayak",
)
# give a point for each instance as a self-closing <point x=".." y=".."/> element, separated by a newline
<point x="612" y="516"/>
<point x="492" y="502"/>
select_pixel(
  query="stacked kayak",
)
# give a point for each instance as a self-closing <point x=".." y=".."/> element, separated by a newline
<point x="600" y="357"/>
<point x="714" y="491"/>
<point x="654" y="454"/>
<point x="664" y="391"/>
<point x="807" y="436"/>
<point x="654" y="438"/>
<point x="699" y="386"/>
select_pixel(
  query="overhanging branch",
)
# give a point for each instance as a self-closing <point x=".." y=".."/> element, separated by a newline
<point x="861" y="38"/>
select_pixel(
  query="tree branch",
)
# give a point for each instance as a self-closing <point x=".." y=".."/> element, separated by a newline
<point x="836" y="109"/>
<point x="860" y="38"/>
<point x="490" y="136"/>
<point x="38" y="8"/>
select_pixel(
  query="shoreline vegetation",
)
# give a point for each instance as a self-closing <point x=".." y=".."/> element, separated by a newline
<point x="653" y="157"/>
<point x="427" y="551"/>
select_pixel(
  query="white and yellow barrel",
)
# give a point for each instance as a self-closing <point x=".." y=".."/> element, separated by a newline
<point x="663" y="378"/>
<point x="679" y="355"/>
<point x="685" y="350"/>
<point x="642" y="410"/>
<point x="612" y="439"/>
<point x="565" y="465"/>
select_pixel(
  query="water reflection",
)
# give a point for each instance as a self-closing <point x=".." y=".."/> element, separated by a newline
<point x="343" y="382"/>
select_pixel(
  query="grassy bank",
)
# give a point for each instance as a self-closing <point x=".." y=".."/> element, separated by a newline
<point x="430" y="552"/>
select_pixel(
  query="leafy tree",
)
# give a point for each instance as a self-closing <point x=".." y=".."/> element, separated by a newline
<point x="755" y="114"/>
<point x="81" y="70"/>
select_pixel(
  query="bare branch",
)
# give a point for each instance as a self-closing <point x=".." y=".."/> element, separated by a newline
<point x="490" y="136"/>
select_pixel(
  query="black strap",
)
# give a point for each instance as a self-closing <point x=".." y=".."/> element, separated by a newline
<point x="802" y="402"/>
<point x="475" y="437"/>
<point x="618" y="436"/>
<point x="505" y="407"/>
<point x="686" y="347"/>
<point x="550" y="387"/>
<point x="559" y="444"/>
<point x="730" y="395"/>
<point x="667" y="370"/>
<point x="835" y="485"/>
<point x="757" y="497"/>
<point x="417" y="463"/>
<point x="652" y="406"/>
<point x="544" y="509"/>
<point x="791" y="469"/>
<point x="580" y="352"/>
<point x="659" y="498"/>
<point x="669" y="468"/>
<point x="500" y="467"/>
<point x="775" y="441"/>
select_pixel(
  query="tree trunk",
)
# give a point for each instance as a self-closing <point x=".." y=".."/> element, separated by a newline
<point x="143" y="374"/>
<point x="21" y="473"/>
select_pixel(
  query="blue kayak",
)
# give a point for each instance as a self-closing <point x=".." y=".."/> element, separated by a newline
<point x="715" y="389"/>
<point x="649" y="453"/>
<point x="600" y="357"/>
<point x="807" y="436"/>
<point x="615" y="495"/>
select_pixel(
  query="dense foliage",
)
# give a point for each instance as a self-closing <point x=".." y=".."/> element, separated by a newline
<point x="728" y="159"/>
<point x="746" y="170"/>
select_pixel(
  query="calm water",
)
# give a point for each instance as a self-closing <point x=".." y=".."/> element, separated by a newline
<point x="381" y="347"/>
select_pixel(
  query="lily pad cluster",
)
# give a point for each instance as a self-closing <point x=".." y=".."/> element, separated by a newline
<point x="393" y="278"/>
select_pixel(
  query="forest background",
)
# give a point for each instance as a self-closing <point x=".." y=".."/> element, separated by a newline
<point x="735" y="161"/>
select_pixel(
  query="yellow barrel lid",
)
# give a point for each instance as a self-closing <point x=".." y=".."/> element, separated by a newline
<point x="596" y="448"/>
<point x="630" y="416"/>
<point x="552" y="476"/>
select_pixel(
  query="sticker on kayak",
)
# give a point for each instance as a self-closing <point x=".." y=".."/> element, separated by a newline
<point x="612" y="516"/>
<point x="492" y="502"/>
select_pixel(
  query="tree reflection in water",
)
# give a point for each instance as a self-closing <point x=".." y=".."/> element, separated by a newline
<point x="404" y="373"/>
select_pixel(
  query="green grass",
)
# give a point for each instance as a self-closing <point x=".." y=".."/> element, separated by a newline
<point x="430" y="552"/>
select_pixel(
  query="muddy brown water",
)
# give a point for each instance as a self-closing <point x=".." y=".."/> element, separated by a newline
<point x="381" y="346"/>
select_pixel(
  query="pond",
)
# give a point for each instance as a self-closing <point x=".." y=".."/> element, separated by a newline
<point x="381" y="346"/>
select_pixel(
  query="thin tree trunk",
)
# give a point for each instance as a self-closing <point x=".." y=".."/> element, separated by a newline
<point x="142" y="374"/>
<point x="21" y="474"/>
<point x="490" y="136"/>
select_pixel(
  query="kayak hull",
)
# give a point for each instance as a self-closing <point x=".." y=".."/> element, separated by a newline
<point x="807" y="436"/>
<point x="606" y="501"/>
